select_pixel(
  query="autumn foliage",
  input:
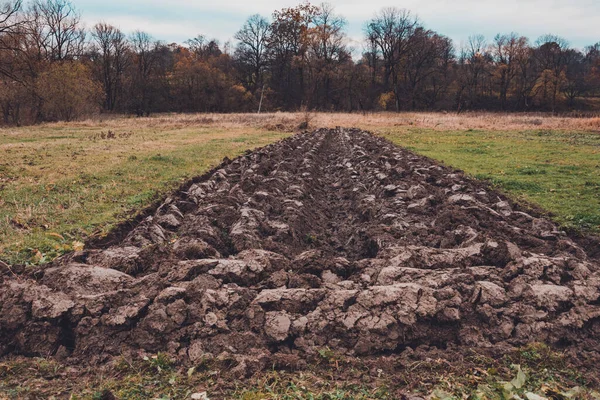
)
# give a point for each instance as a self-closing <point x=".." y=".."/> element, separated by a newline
<point x="300" y="58"/>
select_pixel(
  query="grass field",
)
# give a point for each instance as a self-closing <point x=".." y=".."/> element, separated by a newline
<point x="63" y="183"/>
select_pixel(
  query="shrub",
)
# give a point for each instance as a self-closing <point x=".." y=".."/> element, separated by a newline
<point x="68" y="92"/>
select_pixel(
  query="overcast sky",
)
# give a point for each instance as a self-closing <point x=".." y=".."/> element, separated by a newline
<point x="178" y="20"/>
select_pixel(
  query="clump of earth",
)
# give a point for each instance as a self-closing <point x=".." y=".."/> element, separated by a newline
<point x="333" y="239"/>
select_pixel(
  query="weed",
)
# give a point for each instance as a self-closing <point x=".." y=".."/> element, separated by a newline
<point x="568" y="168"/>
<point x="585" y="220"/>
<point x="328" y="356"/>
<point x="161" y="362"/>
<point x="140" y="199"/>
<point x="310" y="238"/>
<point x="306" y="118"/>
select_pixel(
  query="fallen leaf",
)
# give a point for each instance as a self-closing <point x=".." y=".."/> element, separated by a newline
<point x="520" y="379"/>
<point x="56" y="235"/>
<point x="533" y="396"/>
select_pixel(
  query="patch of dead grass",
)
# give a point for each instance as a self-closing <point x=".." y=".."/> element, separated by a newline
<point x="291" y="121"/>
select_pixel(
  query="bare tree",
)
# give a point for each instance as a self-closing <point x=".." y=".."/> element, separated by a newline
<point x="551" y="56"/>
<point x="59" y="30"/>
<point x="11" y="37"/>
<point x="428" y="55"/>
<point x="592" y="69"/>
<point x="390" y="31"/>
<point x="204" y="48"/>
<point x="526" y="76"/>
<point x="507" y="52"/>
<point x="251" y="50"/>
<point x="145" y="50"/>
<point x="327" y="50"/>
<point x="328" y="39"/>
<point x="574" y="83"/>
<point x="9" y="23"/>
<point x="287" y="48"/>
<point x="113" y="59"/>
<point x="476" y="61"/>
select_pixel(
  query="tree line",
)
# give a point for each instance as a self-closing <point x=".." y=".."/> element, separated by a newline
<point x="52" y="68"/>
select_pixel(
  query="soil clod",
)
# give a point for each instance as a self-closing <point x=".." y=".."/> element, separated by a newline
<point x="332" y="239"/>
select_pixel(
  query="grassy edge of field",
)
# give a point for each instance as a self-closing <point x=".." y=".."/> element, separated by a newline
<point x="534" y="372"/>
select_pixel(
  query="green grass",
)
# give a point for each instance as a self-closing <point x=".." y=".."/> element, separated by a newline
<point x="558" y="171"/>
<point x="62" y="183"/>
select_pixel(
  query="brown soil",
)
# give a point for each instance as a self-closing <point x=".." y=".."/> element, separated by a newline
<point x="332" y="239"/>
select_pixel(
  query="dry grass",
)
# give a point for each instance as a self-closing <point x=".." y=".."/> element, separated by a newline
<point x="290" y="121"/>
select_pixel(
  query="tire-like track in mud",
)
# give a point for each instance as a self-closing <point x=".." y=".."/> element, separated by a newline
<point x="333" y="238"/>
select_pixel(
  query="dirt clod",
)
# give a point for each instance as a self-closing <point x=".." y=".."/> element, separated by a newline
<point x="331" y="239"/>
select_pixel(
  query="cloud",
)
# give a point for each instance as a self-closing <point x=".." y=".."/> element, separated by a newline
<point x="159" y="30"/>
<point x="178" y="20"/>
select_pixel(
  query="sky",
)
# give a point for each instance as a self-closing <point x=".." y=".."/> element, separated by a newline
<point x="578" y="21"/>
